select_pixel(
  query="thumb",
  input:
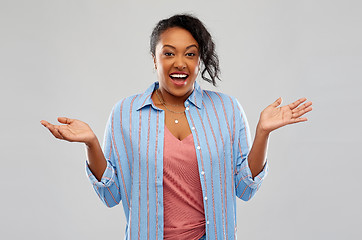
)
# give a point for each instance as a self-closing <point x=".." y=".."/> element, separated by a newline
<point x="64" y="120"/>
<point x="277" y="102"/>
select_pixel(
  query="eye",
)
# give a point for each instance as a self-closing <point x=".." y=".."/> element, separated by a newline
<point x="168" y="54"/>
<point x="190" y="54"/>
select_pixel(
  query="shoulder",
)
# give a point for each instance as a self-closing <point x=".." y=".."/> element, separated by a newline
<point x="137" y="101"/>
<point x="127" y="102"/>
<point x="122" y="110"/>
<point x="224" y="105"/>
<point x="221" y="100"/>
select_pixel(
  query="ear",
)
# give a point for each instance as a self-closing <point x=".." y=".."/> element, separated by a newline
<point x="154" y="61"/>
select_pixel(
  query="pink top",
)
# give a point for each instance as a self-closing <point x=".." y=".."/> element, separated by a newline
<point x="184" y="216"/>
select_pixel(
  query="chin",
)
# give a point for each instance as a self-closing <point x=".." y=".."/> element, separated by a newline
<point x="181" y="90"/>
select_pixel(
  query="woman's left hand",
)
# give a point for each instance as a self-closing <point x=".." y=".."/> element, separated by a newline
<point x="274" y="117"/>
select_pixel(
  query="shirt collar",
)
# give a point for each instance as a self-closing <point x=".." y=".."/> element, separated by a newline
<point x="145" y="99"/>
<point x="196" y="96"/>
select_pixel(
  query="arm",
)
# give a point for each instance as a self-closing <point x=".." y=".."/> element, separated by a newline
<point x="257" y="155"/>
<point x="78" y="131"/>
<point x="251" y="166"/>
<point x="272" y="118"/>
<point x="96" y="161"/>
<point x="100" y="170"/>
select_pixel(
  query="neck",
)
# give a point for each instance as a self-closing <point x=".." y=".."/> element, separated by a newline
<point x="171" y="99"/>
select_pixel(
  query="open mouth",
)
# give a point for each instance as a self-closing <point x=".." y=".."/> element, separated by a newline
<point x="179" y="77"/>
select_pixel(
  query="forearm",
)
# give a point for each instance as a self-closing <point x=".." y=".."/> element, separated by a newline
<point x="96" y="160"/>
<point x="257" y="155"/>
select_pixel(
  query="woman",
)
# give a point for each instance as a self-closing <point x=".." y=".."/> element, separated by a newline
<point x="176" y="155"/>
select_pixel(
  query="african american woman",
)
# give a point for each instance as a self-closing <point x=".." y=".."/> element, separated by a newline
<point x="177" y="156"/>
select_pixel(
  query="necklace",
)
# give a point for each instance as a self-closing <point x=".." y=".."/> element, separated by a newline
<point x="164" y="104"/>
<point x="163" y="101"/>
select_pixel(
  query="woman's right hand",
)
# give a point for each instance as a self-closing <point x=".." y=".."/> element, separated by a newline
<point x="73" y="131"/>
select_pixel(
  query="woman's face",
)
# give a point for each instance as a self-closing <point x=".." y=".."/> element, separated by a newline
<point x="177" y="63"/>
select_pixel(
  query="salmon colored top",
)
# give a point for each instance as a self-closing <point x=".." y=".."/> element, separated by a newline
<point x="184" y="216"/>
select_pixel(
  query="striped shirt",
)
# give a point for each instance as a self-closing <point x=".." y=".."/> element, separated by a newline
<point x="133" y="147"/>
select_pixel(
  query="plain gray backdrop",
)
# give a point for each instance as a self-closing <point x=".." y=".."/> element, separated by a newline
<point x="78" y="58"/>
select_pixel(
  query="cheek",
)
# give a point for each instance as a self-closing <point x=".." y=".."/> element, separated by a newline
<point x="162" y="65"/>
<point x="162" y="69"/>
<point x="196" y="67"/>
<point x="158" y="66"/>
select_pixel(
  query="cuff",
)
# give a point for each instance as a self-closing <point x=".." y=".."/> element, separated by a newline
<point x="247" y="176"/>
<point x="107" y="177"/>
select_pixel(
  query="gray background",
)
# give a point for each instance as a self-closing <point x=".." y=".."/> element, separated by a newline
<point x="78" y="58"/>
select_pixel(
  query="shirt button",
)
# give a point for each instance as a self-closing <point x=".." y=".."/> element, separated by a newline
<point x="193" y="128"/>
<point x="187" y="108"/>
<point x="202" y="173"/>
<point x="198" y="147"/>
<point x="207" y="222"/>
<point x="205" y="198"/>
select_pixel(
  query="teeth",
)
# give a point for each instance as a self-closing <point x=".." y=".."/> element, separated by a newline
<point x="178" y="75"/>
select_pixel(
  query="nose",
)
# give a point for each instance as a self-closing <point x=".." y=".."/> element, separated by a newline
<point x="180" y="63"/>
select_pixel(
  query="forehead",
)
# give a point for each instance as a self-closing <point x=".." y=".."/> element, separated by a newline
<point x="176" y="37"/>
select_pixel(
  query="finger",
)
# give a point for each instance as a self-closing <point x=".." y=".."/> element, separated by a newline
<point x="46" y="124"/>
<point x="277" y="102"/>
<point x="65" y="120"/>
<point x="53" y="129"/>
<point x="296" y="103"/>
<point x="302" y="107"/>
<point x="43" y="122"/>
<point x="302" y="112"/>
<point x="63" y="133"/>
<point x="58" y="132"/>
<point x="298" y="120"/>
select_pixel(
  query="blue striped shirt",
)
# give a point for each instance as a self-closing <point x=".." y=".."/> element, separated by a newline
<point x="133" y="148"/>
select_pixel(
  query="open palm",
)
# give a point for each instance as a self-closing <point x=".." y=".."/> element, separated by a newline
<point x="274" y="117"/>
<point x="73" y="131"/>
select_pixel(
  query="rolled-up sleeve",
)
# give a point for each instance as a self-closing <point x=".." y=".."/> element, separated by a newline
<point x="245" y="185"/>
<point x="108" y="187"/>
<point x="107" y="177"/>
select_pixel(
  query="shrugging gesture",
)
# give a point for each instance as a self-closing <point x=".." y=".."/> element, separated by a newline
<point x="274" y="117"/>
<point x="271" y="118"/>
<point x="75" y="130"/>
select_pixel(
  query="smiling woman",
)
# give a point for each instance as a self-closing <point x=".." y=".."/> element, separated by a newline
<point x="175" y="154"/>
<point x="201" y="35"/>
<point x="177" y="62"/>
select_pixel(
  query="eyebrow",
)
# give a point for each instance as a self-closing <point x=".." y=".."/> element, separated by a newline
<point x="170" y="46"/>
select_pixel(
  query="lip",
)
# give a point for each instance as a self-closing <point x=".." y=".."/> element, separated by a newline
<point x="179" y="73"/>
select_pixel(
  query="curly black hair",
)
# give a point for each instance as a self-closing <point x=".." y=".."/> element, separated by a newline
<point x="208" y="56"/>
